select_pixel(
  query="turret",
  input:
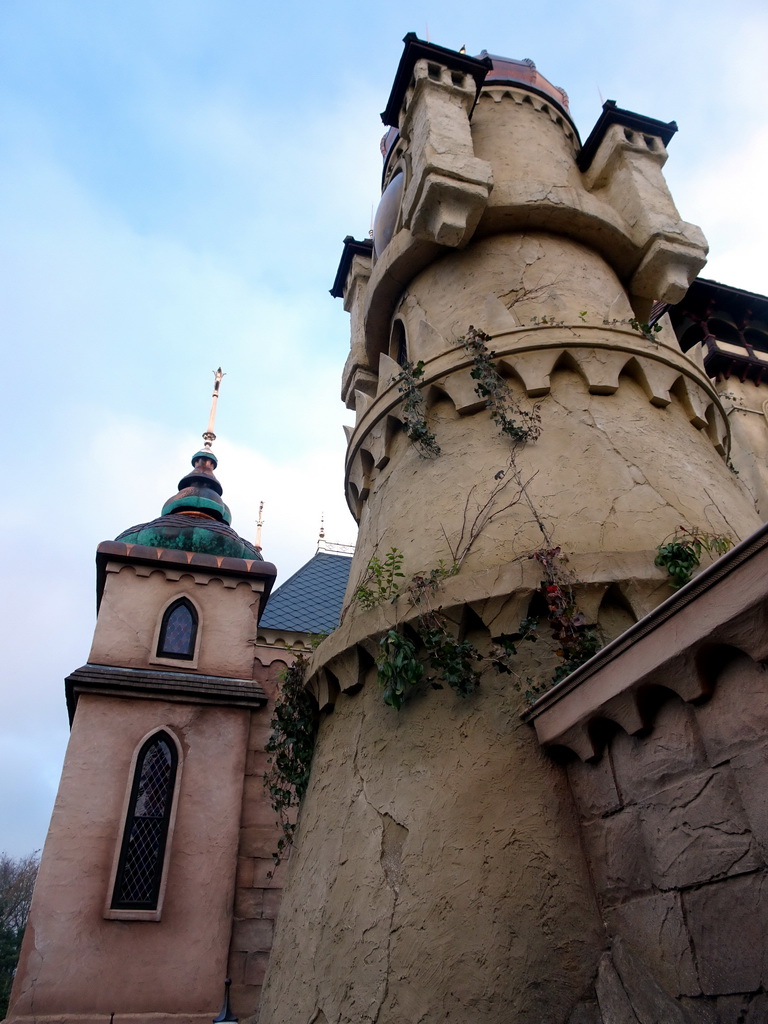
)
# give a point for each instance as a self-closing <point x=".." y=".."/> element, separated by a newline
<point x="526" y="433"/>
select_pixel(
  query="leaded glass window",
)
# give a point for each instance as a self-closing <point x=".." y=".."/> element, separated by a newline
<point x="142" y="855"/>
<point x="178" y="631"/>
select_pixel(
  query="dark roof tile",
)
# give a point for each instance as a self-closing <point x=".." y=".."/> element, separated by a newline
<point x="310" y="601"/>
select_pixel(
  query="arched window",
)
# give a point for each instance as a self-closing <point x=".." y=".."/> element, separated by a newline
<point x="178" y="631"/>
<point x="398" y="344"/>
<point x="142" y="854"/>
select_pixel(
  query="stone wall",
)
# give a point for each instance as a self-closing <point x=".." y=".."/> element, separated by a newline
<point x="259" y="884"/>
<point x="675" y="829"/>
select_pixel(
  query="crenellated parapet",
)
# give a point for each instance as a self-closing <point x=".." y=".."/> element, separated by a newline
<point x="477" y="150"/>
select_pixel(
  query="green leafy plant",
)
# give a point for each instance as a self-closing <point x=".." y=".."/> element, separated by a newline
<point x="642" y="327"/>
<point x="380" y="580"/>
<point x="681" y="554"/>
<point x="512" y="420"/>
<point x="452" y="659"/>
<point x="414" y="412"/>
<point x="504" y="649"/>
<point x="399" y="669"/>
<point x="315" y="639"/>
<point x="291" y="745"/>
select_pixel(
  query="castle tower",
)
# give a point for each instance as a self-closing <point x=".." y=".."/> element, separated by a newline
<point x="142" y="907"/>
<point x="438" y="873"/>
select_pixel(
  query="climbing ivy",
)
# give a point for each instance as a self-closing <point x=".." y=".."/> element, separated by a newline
<point x="291" y="745"/>
<point x="399" y="669"/>
<point x="414" y="412"/>
<point x="512" y="420"/>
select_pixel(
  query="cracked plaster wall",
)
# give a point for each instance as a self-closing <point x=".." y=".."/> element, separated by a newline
<point x="438" y="873"/>
<point x="747" y="407"/>
<point x="492" y="917"/>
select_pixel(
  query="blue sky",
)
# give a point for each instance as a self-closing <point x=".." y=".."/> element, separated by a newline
<point x="175" y="182"/>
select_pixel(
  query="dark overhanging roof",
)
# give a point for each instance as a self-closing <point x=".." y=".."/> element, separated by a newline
<point x="628" y="119"/>
<point x="416" y="49"/>
<point x="352" y="248"/>
<point x="704" y="291"/>
<point x="310" y="601"/>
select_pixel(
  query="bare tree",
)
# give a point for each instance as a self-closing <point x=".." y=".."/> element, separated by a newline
<point x="17" y="880"/>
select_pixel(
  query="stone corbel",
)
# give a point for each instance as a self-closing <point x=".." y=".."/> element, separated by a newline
<point x="449" y="186"/>
<point x="669" y="266"/>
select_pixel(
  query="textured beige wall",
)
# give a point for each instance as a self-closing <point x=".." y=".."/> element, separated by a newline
<point x="438" y="874"/>
<point x="133" y="604"/>
<point x="77" y="965"/>
<point x="675" y="827"/>
<point x="747" y="406"/>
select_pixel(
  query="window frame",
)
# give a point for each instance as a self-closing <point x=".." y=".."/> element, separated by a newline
<point x="181" y="662"/>
<point x="153" y="912"/>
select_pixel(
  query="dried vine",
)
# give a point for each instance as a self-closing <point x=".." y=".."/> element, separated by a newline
<point x="458" y="663"/>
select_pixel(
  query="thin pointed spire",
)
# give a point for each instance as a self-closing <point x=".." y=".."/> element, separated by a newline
<point x="259" y="524"/>
<point x="209" y="437"/>
<point x="321" y="537"/>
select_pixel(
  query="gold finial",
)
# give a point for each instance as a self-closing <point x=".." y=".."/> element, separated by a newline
<point x="209" y="437"/>
<point x="259" y="524"/>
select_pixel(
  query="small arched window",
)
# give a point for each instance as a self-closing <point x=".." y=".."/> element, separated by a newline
<point x="398" y="344"/>
<point x="142" y="853"/>
<point x="178" y="631"/>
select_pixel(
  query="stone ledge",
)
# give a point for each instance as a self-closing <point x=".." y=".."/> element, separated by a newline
<point x="496" y="596"/>
<point x="176" y="687"/>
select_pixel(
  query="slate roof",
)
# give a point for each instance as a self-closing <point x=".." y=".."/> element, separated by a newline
<point x="310" y="601"/>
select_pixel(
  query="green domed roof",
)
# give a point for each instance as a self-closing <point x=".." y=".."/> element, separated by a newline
<point x="195" y="518"/>
<point x="190" y="532"/>
<point x="200" y="491"/>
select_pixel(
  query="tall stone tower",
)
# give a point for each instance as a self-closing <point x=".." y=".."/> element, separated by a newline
<point x="438" y="873"/>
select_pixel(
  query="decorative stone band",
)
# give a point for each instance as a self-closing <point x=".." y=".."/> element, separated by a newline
<point x="176" y="687"/>
<point x="600" y="356"/>
<point x="496" y="92"/>
<point x="676" y="646"/>
<point x="490" y="602"/>
<point x="260" y="574"/>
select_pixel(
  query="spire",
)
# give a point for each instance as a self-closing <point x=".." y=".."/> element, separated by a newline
<point x="196" y="518"/>
<point x="199" y="491"/>
<point x="208" y="436"/>
<point x="259" y="524"/>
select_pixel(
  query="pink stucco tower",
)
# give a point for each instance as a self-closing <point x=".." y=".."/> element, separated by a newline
<point x="142" y="905"/>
